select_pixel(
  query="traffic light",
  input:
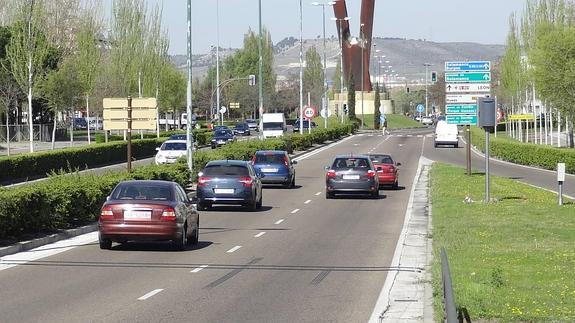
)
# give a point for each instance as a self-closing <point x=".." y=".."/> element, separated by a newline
<point x="433" y="77"/>
<point x="345" y="108"/>
<point x="407" y="90"/>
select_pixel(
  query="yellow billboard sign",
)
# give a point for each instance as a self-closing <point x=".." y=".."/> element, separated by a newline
<point x="521" y="117"/>
<point x="144" y="113"/>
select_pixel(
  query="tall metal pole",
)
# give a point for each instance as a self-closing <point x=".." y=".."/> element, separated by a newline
<point x="341" y="69"/>
<point x="362" y="45"/>
<point x="487" y="199"/>
<point x="260" y="68"/>
<point x="301" y="67"/>
<point x="129" y="158"/>
<point x="30" y="117"/>
<point x="325" y="104"/>
<point x="426" y="96"/>
<point x="189" y="89"/>
<point x="218" y="62"/>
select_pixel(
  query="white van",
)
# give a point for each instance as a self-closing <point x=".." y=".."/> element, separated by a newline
<point x="446" y="134"/>
<point x="273" y="124"/>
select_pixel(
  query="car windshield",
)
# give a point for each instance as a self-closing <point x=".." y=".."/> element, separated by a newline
<point x="178" y="137"/>
<point x="269" y="159"/>
<point x="142" y="192"/>
<point x="241" y="126"/>
<point x="381" y="159"/>
<point x="223" y="133"/>
<point x="174" y="146"/>
<point x="250" y="121"/>
<point x="230" y="170"/>
<point x="350" y="163"/>
<point x="273" y="126"/>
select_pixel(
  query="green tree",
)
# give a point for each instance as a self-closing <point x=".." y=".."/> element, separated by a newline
<point x="313" y="76"/>
<point x="337" y="78"/>
<point x="377" y="104"/>
<point x="351" y="98"/>
<point x="511" y="68"/>
<point x="172" y="91"/>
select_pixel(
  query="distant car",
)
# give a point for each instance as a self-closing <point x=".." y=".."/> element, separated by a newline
<point x="389" y="172"/>
<point x="352" y="174"/>
<point x="446" y="134"/>
<point x="440" y="118"/>
<point x="148" y="210"/>
<point x="80" y="124"/>
<point x="229" y="182"/>
<point x="242" y="129"/>
<point x="216" y="128"/>
<point x="306" y="125"/>
<point x="170" y="151"/>
<point x="277" y="167"/>
<point x="252" y="124"/>
<point x="181" y="136"/>
<point x="428" y="121"/>
<point x="222" y="137"/>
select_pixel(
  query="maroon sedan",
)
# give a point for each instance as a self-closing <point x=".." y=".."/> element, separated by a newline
<point x="148" y="210"/>
<point x="389" y="173"/>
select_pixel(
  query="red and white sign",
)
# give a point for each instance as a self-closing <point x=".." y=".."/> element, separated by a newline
<point x="308" y="112"/>
<point x="500" y="114"/>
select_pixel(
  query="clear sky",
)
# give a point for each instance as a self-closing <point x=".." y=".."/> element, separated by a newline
<point x="484" y="21"/>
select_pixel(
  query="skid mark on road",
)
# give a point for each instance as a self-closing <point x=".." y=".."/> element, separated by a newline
<point x="320" y="277"/>
<point x="231" y="274"/>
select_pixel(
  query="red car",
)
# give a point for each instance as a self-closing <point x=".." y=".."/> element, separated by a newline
<point x="148" y="210"/>
<point x="389" y="174"/>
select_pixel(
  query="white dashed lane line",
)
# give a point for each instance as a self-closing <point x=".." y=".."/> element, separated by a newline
<point x="234" y="249"/>
<point x="318" y="193"/>
<point x="279" y="221"/>
<point x="295" y="211"/>
<point x="150" y="294"/>
<point x="260" y="234"/>
<point x="197" y="270"/>
<point x="307" y="202"/>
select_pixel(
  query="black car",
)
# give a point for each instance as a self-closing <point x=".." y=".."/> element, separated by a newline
<point x="222" y="137"/>
<point x="229" y="182"/>
<point x="306" y="124"/>
<point x="242" y="129"/>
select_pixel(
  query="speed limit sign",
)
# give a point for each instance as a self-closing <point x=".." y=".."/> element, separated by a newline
<point x="308" y="112"/>
<point x="500" y="114"/>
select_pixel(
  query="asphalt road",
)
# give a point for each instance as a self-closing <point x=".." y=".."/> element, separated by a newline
<point x="302" y="258"/>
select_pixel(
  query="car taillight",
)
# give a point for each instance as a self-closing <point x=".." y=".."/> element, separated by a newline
<point x="286" y="161"/>
<point x="247" y="181"/>
<point x="169" y="214"/>
<point x="202" y="181"/>
<point x="330" y="174"/>
<point x="107" y="213"/>
<point x="370" y="174"/>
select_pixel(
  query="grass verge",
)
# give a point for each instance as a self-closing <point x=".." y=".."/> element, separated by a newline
<point x="511" y="260"/>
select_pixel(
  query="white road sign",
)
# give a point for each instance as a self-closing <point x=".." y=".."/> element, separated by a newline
<point x="308" y="112"/>
<point x="472" y="87"/>
<point x="463" y="98"/>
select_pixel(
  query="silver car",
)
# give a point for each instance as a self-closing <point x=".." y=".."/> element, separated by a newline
<point x="351" y="174"/>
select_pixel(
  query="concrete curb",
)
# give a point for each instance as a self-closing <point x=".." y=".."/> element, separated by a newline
<point x="67" y="234"/>
<point x="35" y="243"/>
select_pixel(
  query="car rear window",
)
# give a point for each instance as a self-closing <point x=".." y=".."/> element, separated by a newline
<point x="143" y="192"/>
<point x="174" y="146"/>
<point x="270" y="158"/>
<point x="348" y="163"/>
<point x="229" y="170"/>
<point x="381" y="159"/>
<point x="223" y="132"/>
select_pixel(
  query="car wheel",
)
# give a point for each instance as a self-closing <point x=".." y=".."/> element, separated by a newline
<point x="105" y="243"/>
<point x="293" y="183"/>
<point x="202" y="207"/>
<point x="435" y="145"/>
<point x="196" y="236"/>
<point x="375" y="194"/>
<point x="260" y="202"/>
<point x="328" y="195"/>
<point x="396" y="185"/>
<point x="456" y="145"/>
<point x="181" y="242"/>
<point x="252" y="205"/>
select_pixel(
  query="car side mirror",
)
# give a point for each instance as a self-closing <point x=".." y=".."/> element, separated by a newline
<point x="326" y="168"/>
<point x="397" y="164"/>
<point x="108" y="198"/>
<point x="194" y="199"/>
<point x="294" y="162"/>
<point x="157" y="148"/>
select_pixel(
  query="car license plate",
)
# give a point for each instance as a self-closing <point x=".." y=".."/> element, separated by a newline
<point x="269" y="170"/>
<point x="350" y="176"/>
<point x="137" y="215"/>
<point x="224" y="190"/>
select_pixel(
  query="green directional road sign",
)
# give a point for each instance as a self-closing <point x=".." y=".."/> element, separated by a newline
<point x="475" y="77"/>
<point x="461" y="109"/>
<point x="462" y="119"/>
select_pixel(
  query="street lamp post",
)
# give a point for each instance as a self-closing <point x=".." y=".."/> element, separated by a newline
<point x="218" y="62"/>
<point x="341" y="59"/>
<point x="325" y="104"/>
<point x="362" y="44"/>
<point x="301" y="69"/>
<point x="189" y="88"/>
<point x="426" y="96"/>
<point x="260" y="68"/>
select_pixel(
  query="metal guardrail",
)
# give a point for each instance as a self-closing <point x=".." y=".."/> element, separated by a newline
<point x="450" y="311"/>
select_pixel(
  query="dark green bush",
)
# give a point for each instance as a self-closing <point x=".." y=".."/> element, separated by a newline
<point x="41" y="163"/>
<point x="66" y="201"/>
<point x="541" y="156"/>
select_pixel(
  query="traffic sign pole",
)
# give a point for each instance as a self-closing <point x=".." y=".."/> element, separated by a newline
<point x="129" y="134"/>
<point x="468" y="130"/>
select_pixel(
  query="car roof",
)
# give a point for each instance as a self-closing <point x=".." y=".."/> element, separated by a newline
<point x="387" y="155"/>
<point x="227" y="162"/>
<point x="277" y="152"/>
<point x="352" y="156"/>
<point x="176" y="141"/>
<point x="147" y="182"/>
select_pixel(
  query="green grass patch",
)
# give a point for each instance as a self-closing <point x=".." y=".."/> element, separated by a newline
<point x="511" y="260"/>
<point x="395" y="121"/>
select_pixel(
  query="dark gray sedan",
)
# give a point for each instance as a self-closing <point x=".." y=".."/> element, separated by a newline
<point x="229" y="182"/>
<point x="351" y="174"/>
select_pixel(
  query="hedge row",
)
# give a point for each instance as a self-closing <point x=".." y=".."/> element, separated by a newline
<point x="201" y="136"/>
<point x="67" y="201"/>
<point x="40" y="163"/>
<point x="541" y="156"/>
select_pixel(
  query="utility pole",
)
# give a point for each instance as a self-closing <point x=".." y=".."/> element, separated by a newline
<point x="426" y="93"/>
<point x="218" y="62"/>
<point x="189" y="139"/>
<point x="300" y="67"/>
<point x="260" y="68"/>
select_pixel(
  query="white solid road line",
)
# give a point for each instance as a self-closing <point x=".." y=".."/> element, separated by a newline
<point x="197" y="270"/>
<point x="150" y="294"/>
<point x="318" y="194"/>
<point x="307" y="202"/>
<point x="260" y="234"/>
<point x="234" y="249"/>
<point x="279" y="221"/>
<point x="295" y="211"/>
